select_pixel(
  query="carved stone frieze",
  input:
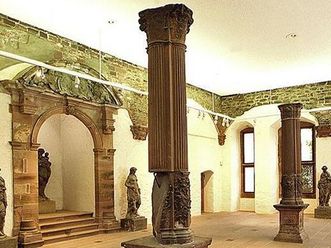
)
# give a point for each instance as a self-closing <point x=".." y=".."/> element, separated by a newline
<point x="68" y="85"/>
<point x="139" y="132"/>
<point x="170" y="23"/>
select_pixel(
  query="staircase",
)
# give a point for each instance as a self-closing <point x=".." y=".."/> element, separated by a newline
<point x="65" y="225"/>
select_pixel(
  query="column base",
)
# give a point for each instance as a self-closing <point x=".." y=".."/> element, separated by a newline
<point x="134" y="224"/>
<point x="108" y="223"/>
<point x="151" y="242"/>
<point x="8" y="242"/>
<point x="29" y="236"/>
<point x="291" y="219"/>
<point x="322" y="212"/>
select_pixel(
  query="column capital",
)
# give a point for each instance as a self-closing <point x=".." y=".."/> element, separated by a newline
<point x="290" y="111"/>
<point x="169" y="23"/>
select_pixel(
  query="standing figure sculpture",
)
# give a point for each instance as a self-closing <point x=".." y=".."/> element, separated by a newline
<point x="3" y="206"/>
<point x="324" y="186"/>
<point x="44" y="172"/>
<point x="133" y="194"/>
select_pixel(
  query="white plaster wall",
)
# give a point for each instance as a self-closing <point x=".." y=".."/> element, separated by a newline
<point x="130" y="152"/>
<point x="78" y="165"/>
<point x="49" y="138"/>
<point x="6" y="157"/>
<point x="247" y="204"/>
<point x="230" y="170"/>
<point x="266" y="122"/>
<point x="204" y="154"/>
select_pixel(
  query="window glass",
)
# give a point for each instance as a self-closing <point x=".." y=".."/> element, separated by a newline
<point x="249" y="179"/>
<point x="248" y="148"/>
<point x="307" y="179"/>
<point x="306" y="144"/>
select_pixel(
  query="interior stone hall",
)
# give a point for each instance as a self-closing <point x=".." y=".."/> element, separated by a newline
<point x="154" y="124"/>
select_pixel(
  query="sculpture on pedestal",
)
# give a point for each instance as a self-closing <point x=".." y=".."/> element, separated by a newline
<point x="3" y="206"/>
<point x="133" y="194"/>
<point x="323" y="211"/>
<point x="324" y="186"/>
<point x="133" y="221"/>
<point x="44" y="172"/>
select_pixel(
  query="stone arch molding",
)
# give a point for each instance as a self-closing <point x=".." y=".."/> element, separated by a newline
<point x="31" y="107"/>
<point x="86" y="120"/>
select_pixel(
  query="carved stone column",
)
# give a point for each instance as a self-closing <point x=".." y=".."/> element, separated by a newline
<point x="291" y="206"/>
<point x="166" y="28"/>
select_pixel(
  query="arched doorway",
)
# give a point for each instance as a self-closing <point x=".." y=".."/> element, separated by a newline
<point x="70" y="147"/>
<point x="207" y="194"/>
<point x="32" y="105"/>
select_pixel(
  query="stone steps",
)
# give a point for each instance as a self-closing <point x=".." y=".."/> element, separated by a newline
<point x="66" y="225"/>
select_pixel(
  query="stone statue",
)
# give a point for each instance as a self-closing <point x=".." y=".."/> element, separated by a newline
<point x="44" y="172"/>
<point x="3" y="206"/>
<point x="324" y="186"/>
<point x="133" y="194"/>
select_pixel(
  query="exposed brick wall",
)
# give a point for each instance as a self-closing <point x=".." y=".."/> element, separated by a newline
<point x="310" y="95"/>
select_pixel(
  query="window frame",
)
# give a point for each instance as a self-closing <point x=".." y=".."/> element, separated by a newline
<point x="244" y="165"/>
<point x="312" y="163"/>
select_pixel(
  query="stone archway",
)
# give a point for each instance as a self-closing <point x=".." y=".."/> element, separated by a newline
<point x="31" y="107"/>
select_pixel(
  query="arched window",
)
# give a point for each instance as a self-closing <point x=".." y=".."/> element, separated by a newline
<point x="247" y="163"/>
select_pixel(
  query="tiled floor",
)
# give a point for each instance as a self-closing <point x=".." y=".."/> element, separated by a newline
<point x="228" y="230"/>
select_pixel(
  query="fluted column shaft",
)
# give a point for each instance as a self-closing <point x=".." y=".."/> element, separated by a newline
<point x="291" y="154"/>
<point x="166" y="28"/>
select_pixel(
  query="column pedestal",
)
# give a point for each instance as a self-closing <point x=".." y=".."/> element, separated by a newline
<point x="29" y="236"/>
<point x="151" y="242"/>
<point x="291" y="219"/>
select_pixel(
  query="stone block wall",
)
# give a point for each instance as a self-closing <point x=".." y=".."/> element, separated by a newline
<point x="310" y="95"/>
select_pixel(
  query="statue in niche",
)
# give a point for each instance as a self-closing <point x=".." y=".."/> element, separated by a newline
<point x="44" y="172"/>
<point x="324" y="186"/>
<point x="3" y="206"/>
<point x="133" y="194"/>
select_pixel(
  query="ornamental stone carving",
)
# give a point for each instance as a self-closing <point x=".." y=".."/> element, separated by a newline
<point x="170" y="23"/>
<point x="290" y="111"/>
<point x="139" y="132"/>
